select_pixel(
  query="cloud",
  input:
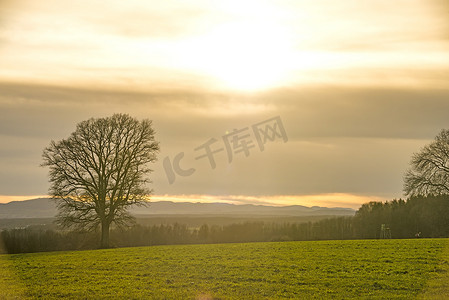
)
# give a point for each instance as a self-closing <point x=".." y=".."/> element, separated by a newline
<point x="359" y="26"/>
<point x="358" y="112"/>
<point x="308" y="113"/>
<point x="340" y="140"/>
<point x="165" y="20"/>
<point x="136" y="44"/>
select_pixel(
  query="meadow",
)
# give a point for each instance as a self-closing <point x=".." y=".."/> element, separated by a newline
<point x="361" y="269"/>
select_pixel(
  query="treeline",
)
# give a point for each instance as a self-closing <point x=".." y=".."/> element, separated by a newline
<point x="33" y="239"/>
<point x="426" y="216"/>
<point x="403" y="218"/>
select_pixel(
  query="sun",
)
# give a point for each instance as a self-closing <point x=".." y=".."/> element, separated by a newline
<point x="252" y="49"/>
<point x="247" y="56"/>
<point x="243" y="56"/>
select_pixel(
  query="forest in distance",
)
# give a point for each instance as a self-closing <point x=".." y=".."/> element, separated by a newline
<point x="416" y="216"/>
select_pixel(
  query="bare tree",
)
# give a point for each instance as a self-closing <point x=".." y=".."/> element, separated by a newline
<point x="100" y="171"/>
<point x="429" y="172"/>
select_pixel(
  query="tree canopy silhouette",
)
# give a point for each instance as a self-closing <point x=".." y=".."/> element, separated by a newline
<point x="429" y="172"/>
<point x="100" y="171"/>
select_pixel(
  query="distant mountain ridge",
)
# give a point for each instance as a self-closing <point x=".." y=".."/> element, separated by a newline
<point x="46" y="208"/>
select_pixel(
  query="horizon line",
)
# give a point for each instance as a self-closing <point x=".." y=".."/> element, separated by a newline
<point x="330" y="200"/>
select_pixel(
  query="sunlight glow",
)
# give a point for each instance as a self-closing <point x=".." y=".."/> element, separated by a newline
<point x="227" y="46"/>
<point x="323" y="200"/>
<point x="242" y="56"/>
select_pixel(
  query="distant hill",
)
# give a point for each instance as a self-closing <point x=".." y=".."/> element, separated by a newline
<point x="168" y="207"/>
<point x="35" y="208"/>
<point x="45" y="208"/>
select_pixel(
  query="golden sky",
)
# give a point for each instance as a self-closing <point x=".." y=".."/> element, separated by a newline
<point x="359" y="87"/>
<point x="242" y="45"/>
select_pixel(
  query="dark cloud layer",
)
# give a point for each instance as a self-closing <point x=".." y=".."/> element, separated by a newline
<point x="341" y="140"/>
<point x="321" y="112"/>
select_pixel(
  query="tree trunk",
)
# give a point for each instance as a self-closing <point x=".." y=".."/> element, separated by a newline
<point x="105" y="234"/>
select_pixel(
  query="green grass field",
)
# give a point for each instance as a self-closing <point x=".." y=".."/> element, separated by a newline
<point x="367" y="269"/>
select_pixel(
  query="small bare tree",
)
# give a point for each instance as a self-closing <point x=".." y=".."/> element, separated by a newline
<point x="429" y="172"/>
<point x="100" y="171"/>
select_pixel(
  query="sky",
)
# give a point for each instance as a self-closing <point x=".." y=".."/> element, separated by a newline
<point x="301" y="102"/>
